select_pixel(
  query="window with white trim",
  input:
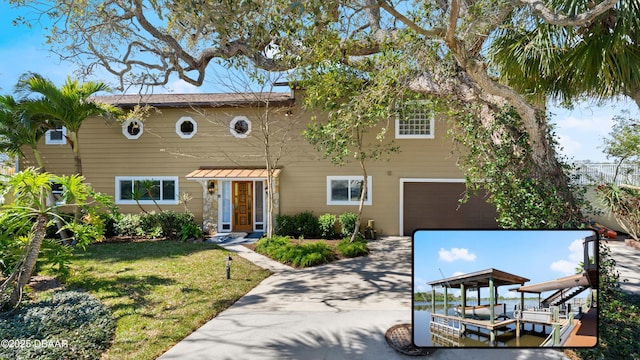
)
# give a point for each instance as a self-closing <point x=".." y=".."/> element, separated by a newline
<point x="240" y="126"/>
<point x="57" y="190"/>
<point x="146" y="189"/>
<point x="56" y="136"/>
<point x="345" y="190"/>
<point x="132" y="129"/>
<point x="414" y="121"/>
<point x="186" y="127"/>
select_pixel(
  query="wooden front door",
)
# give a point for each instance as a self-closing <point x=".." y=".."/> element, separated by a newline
<point x="242" y="206"/>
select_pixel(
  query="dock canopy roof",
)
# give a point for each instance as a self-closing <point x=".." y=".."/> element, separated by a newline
<point x="566" y="282"/>
<point x="480" y="279"/>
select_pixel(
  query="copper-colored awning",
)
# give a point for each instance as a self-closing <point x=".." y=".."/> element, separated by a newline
<point x="231" y="173"/>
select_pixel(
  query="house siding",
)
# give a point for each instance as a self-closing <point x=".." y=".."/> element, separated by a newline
<point x="106" y="153"/>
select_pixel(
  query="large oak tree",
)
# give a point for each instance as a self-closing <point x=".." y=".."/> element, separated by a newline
<point x="435" y="48"/>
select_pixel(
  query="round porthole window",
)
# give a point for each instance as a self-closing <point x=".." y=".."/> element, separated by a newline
<point x="186" y="127"/>
<point x="132" y="129"/>
<point x="240" y="126"/>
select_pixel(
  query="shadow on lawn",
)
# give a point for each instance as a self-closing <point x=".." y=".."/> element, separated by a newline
<point x="135" y="288"/>
<point x="113" y="252"/>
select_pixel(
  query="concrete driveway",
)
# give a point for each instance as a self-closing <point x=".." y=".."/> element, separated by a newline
<point x="335" y="311"/>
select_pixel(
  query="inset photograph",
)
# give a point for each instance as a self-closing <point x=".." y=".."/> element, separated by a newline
<point x="505" y="288"/>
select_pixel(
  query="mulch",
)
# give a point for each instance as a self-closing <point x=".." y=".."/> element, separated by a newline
<point x="40" y="283"/>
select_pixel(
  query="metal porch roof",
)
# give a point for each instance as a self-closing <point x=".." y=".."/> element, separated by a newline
<point x="231" y="173"/>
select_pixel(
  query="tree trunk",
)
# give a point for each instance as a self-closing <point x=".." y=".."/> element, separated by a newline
<point x="75" y="147"/>
<point x="39" y="229"/>
<point x="363" y="195"/>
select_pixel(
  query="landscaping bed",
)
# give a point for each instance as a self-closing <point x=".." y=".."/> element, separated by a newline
<point x="302" y="253"/>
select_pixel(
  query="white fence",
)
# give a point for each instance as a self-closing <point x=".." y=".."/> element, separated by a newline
<point x="594" y="173"/>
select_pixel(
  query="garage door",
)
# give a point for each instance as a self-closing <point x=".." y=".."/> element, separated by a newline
<point x="435" y="205"/>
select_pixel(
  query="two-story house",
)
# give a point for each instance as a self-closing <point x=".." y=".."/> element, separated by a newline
<point x="210" y="148"/>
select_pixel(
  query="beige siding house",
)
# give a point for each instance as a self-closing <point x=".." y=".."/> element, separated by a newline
<point x="211" y="147"/>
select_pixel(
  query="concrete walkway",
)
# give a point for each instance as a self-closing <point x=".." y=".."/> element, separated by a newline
<point x="628" y="264"/>
<point x="335" y="311"/>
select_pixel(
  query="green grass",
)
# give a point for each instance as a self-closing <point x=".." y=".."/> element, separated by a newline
<point x="159" y="292"/>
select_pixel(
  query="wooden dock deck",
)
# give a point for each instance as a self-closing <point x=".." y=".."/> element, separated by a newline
<point x="563" y="332"/>
<point x="455" y="326"/>
<point x="585" y="333"/>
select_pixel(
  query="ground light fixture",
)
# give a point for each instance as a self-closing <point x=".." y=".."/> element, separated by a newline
<point x="228" y="266"/>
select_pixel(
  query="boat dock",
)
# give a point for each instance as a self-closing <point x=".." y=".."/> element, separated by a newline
<point x="487" y="317"/>
<point x="562" y="327"/>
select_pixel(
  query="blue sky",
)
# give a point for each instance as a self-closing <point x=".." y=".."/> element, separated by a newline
<point x="580" y="131"/>
<point x="539" y="255"/>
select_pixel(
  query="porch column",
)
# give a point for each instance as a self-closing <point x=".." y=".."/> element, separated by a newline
<point x="464" y="299"/>
<point x="209" y="205"/>
<point x="433" y="300"/>
<point x="446" y="305"/>
<point x="492" y="300"/>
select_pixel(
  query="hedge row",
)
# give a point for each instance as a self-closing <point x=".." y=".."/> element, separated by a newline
<point x="306" y="225"/>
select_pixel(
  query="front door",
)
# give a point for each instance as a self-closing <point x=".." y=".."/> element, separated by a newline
<point x="242" y="206"/>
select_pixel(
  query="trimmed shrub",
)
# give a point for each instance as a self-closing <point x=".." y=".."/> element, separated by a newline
<point x="352" y="249"/>
<point x="327" y="224"/>
<point x="72" y="325"/>
<point x="153" y="225"/>
<point x="128" y="225"/>
<point x="285" y="225"/>
<point x="269" y="246"/>
<point x="309" y="254"/>
<point x="300" y="255"/>
<point x="190" y="231"/>
<point x="347" y="223"/>
<point x="306" y="225"/>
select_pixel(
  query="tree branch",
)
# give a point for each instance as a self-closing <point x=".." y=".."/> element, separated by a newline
<point x="435" y="32"/>
<point x="552" y="17"/>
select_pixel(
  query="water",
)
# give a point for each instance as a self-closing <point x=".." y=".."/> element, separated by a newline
<point x="532" y="336"/>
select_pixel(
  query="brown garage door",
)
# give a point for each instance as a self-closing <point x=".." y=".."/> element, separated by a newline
<point x="429" y="205"/>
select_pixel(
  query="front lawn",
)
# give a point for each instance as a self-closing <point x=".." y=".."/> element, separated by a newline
<point x="160" y="291"/>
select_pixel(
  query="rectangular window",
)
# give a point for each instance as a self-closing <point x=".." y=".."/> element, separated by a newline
<point x="56" y="136"/>
<point x="414" y="121"/>
<point x="260" y="205"/>
<point x="162" y="189"/>
<point x="345" y="190"/>
<point x="56" y="190"/>
<point x="226" y="205"/>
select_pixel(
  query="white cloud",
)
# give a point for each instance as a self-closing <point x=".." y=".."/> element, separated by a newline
<point x="457" y="273"/>
<point x="182" y="87"/>
<point x="564" y="267"/>
<point x="569" y="146"/>
<point x="568" y="266"/>
<point x="456" y="254"/>
<point x="576" y="250"/>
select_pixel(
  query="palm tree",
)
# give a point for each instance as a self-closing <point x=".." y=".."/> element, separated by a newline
<point x="17" y="130"/>
<point x="66" y="106"/>
<point x="599" y="60"/>
<point x="30" y="189"/>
